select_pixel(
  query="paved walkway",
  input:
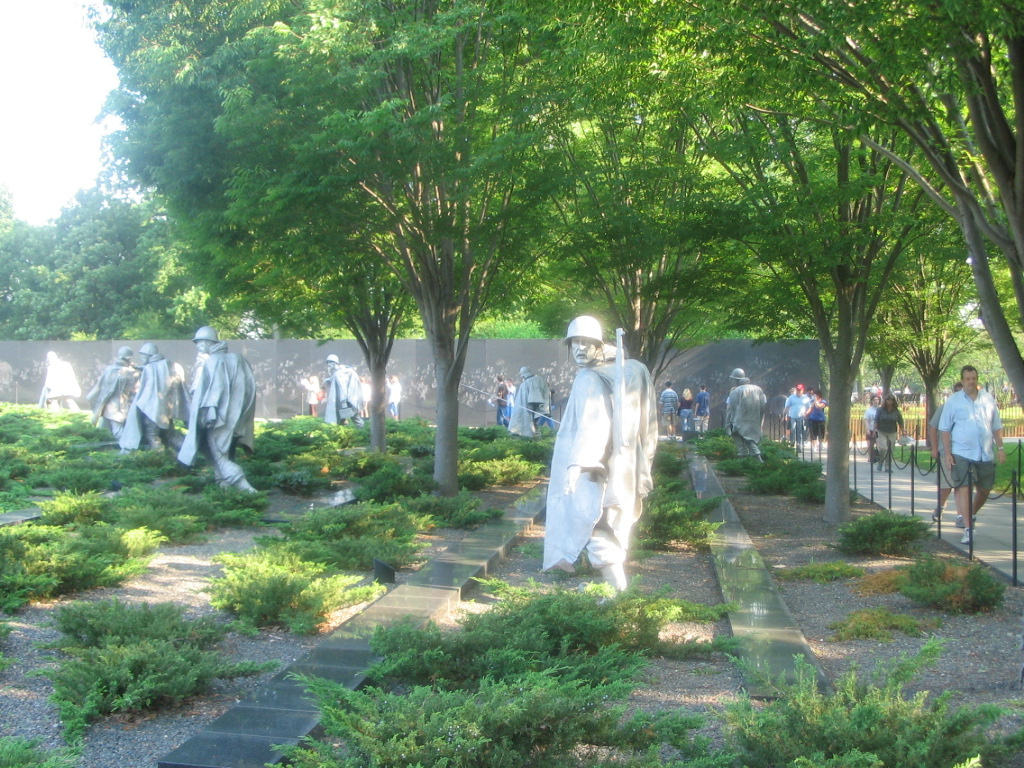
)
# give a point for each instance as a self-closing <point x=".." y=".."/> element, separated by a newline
<point x="915" y="492"/>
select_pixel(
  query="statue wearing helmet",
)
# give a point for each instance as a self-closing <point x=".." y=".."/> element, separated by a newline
<point x="112" y="395"/>
<point x="744" y="414"/>
<point x="60" y="387"/>
<point x="223" y="409"/>
<point x="532" y="404"/>
<point x="161" y="398"/>
<point x="343" y="394"/>
<point x="601" y="465"/>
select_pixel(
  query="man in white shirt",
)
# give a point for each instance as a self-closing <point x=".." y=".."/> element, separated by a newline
<point x="972" y="441"/>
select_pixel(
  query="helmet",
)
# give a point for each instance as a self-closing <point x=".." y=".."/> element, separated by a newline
<point x="737" y="373"/>
<point x="149" y="349"/>
<point x="586" y="327"/>
<point x="525" y="371"/>
<point x="123" y="353"/>
<point x="333" y="359"/>
<point x="206" y="333"/>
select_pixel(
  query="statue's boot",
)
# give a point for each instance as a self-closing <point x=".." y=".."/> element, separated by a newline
<point x="615" y="575"/>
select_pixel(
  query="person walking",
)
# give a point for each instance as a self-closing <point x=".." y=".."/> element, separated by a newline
<point x="797" y="405"/>
<point x="816" y="418"/>
<point x="972" y="437"/>
<point x="686" y="411"/>
<point x="938" y="452"/>
<point x="889" y="423"/>
<point x="668" y="401"/>
<point x="702" y="409"/>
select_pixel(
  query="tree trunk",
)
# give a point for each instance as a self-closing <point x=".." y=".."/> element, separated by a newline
<point x="378" y="404"/>
<point x="992" y="314"/>
<point x="843" y="364"/>
<point x="837" y="463"/>
<point x="446" y="440"/>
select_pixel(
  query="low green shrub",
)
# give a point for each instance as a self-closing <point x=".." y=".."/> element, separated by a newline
<point x="41" y="561"/>
<point x="952" y="586"/>
<point x="532" y="720"/>
<point x="95" y="624"/>
<point x="26" y="753"/>
<point x="668" y="462"/>
<point x="461" y="511"/>
<point x="74" y="509"/>
<point x="813" y="491"/>
<point x="674" y="514"/>
<point x="356" y="464"/>
<point x="234" y="508"/>
<point x="715" y="445"/>
<point x="301" y="482"/>
<point x="506" y="471"/>
<point x="472" y="478"/>
<point x="783" y="478"/>
<point x="571" y="633"/>
<point x="878" y="624"/>
<point x="822" y="573"/>
<point x="279" y="440"/>
<point x="179" y="517"/>
<point x="401" y="435"/>
<point x="883" y="533"/>
<point x="5" y="630"/>
<point x="276" y="588"/>
<point x="133" y="676"/>
<point x="392" y="481"/>
<point x="350" y="536"/>
<point x="859" y="719"/>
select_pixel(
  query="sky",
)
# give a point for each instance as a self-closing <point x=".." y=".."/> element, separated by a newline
<point x="54" y="82"/>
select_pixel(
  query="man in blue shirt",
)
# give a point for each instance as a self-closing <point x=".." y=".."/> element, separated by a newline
<point x="702" y="408"/>
<point x="797" y="406"/>
<point x="972" y="440"/>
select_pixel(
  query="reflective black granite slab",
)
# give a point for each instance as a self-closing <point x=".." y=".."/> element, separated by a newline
<point x="771" y="639"/>
<point x="271" y="723"/>
<point x="20" y="516"/>
<point x="221" y="750"/>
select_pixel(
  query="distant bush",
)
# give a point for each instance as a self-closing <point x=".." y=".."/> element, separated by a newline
<point x="883" y="533"/>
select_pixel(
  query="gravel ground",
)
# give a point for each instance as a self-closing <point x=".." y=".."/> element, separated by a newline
<point x="981" y="661"/>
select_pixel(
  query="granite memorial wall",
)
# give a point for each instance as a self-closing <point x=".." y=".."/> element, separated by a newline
<point x="280" y="364"/>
